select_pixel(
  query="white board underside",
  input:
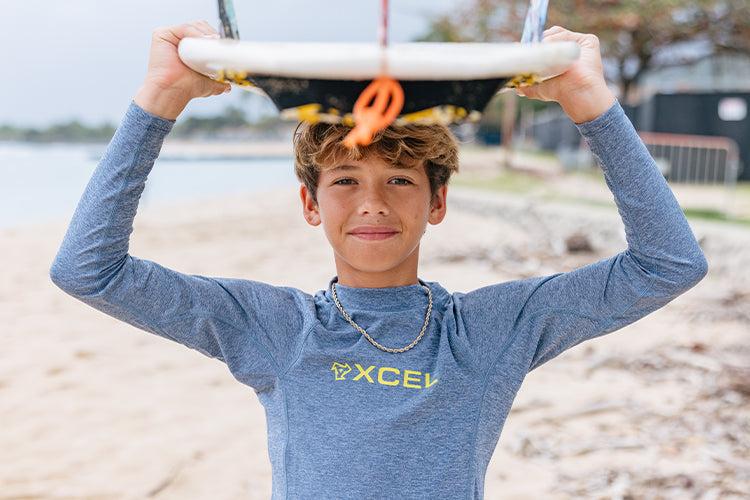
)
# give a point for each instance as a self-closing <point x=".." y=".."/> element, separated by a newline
<point x="364" y="61"/>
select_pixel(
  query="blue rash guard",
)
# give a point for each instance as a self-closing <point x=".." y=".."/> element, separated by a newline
<point x="345" y="419"/>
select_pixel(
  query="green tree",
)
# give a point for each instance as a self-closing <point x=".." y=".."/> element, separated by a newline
<point x="231" y="117"/>
<point x="636" y="35"/>
<point x="73" y="131"/>
<point x="729" y="26"/>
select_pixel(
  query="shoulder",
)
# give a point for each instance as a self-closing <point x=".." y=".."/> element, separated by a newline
<point x="514" y="291"/>
<point x="261" y="294"/>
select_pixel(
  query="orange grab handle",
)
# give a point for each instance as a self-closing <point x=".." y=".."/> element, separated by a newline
<point x="376" y="108"/>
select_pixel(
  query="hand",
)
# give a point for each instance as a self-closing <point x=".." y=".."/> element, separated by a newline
<point x="170" y="85"/>
<point x="581" y="90"/>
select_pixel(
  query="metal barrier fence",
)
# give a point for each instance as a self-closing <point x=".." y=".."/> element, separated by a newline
<point x="694" y="159"/>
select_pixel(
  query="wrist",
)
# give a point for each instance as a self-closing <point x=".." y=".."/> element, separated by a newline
<point x="588" y="104"/>
<point x="164" y="103"/>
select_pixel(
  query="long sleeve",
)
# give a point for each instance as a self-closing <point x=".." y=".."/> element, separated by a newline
<point x="97" y="241"/>
<point x="658" y="235"/>
<point x="662" y="260"/>
<point x="251" y="326"/>
<point x="545" y="316"/>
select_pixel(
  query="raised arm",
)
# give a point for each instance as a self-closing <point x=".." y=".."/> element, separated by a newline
<point x="93" y="263"/>
<point x="663" y="258"/>
<point x="543" y="317"/>
<point x="96" y="245"/>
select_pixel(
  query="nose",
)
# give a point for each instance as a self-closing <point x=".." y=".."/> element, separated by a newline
<point x="373" y="202"/>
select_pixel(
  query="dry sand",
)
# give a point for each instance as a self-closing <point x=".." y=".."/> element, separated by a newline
<point x="94" y="409"/>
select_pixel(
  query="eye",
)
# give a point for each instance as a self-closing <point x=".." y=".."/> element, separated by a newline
<point x="401" y="181"/>
<point x="345" y="181"/>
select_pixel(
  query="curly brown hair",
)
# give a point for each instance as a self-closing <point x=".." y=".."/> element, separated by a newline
<point x="319" y="146"/>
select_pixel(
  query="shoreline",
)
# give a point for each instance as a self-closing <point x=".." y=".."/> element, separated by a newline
<point x="544" y="178"/>
<point x="201" y="150"/>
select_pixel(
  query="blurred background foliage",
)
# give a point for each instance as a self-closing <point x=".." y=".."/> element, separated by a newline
<point x="636" y="36"/>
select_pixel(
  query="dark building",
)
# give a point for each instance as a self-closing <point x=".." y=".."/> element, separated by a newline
<point x="721" y="114"/>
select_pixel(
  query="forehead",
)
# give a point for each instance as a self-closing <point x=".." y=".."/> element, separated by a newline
<point x="357" y="159"/>
<point x="371" y="164"/>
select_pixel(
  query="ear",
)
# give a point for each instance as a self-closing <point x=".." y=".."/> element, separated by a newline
<point x="310" y="209"/>
<point x="438" y="206"/>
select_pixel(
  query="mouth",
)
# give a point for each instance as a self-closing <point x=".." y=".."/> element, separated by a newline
<point x="373" y="233"/>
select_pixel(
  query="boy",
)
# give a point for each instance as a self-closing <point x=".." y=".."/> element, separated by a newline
<point x="381" y="386"/>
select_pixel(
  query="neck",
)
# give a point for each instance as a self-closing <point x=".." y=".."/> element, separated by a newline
<point x="366" y="280"/>
<point x="355" y="278"/>
<point x="404" y="273"/>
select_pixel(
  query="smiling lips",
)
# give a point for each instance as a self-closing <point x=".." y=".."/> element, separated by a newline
<point x="373" y="233"/>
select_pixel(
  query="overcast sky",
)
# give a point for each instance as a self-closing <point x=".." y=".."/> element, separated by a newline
<point x="85" y="59"/>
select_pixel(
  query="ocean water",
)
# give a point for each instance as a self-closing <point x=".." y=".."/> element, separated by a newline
<point x="41" y="182"/>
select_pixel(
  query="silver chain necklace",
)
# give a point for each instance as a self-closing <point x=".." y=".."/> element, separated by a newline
<point x="367" y="336"/>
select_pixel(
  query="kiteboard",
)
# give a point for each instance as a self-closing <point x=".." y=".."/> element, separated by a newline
<point x="442" y="82"/>
<point x="371" y="86"/>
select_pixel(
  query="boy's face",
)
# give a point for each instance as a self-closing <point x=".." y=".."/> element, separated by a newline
<point x="374" y="215"/>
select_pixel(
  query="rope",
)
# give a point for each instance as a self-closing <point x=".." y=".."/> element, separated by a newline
<point x="381" y="101"/>
<point x="376" y="108"/>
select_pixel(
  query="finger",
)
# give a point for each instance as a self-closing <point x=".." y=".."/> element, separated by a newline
<point x="559" y="34"/>
<point x="211" y="87"/>
<point x="223" y="88"/>
<point x="531" y="92"/>
<point x="191" y="30"/>
<point x="554" y="30"/>
<point x="206" y="29"/>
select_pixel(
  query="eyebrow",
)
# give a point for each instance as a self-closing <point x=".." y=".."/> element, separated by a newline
<point x="342" y="168"/>
<point x="347" y="167"/>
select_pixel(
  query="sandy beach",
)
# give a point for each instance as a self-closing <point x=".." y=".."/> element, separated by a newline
<point x="95" y="409"/>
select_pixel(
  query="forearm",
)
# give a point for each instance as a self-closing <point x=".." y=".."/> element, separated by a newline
<point x="97" y="240"/>
<point x="659" y="237"/>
